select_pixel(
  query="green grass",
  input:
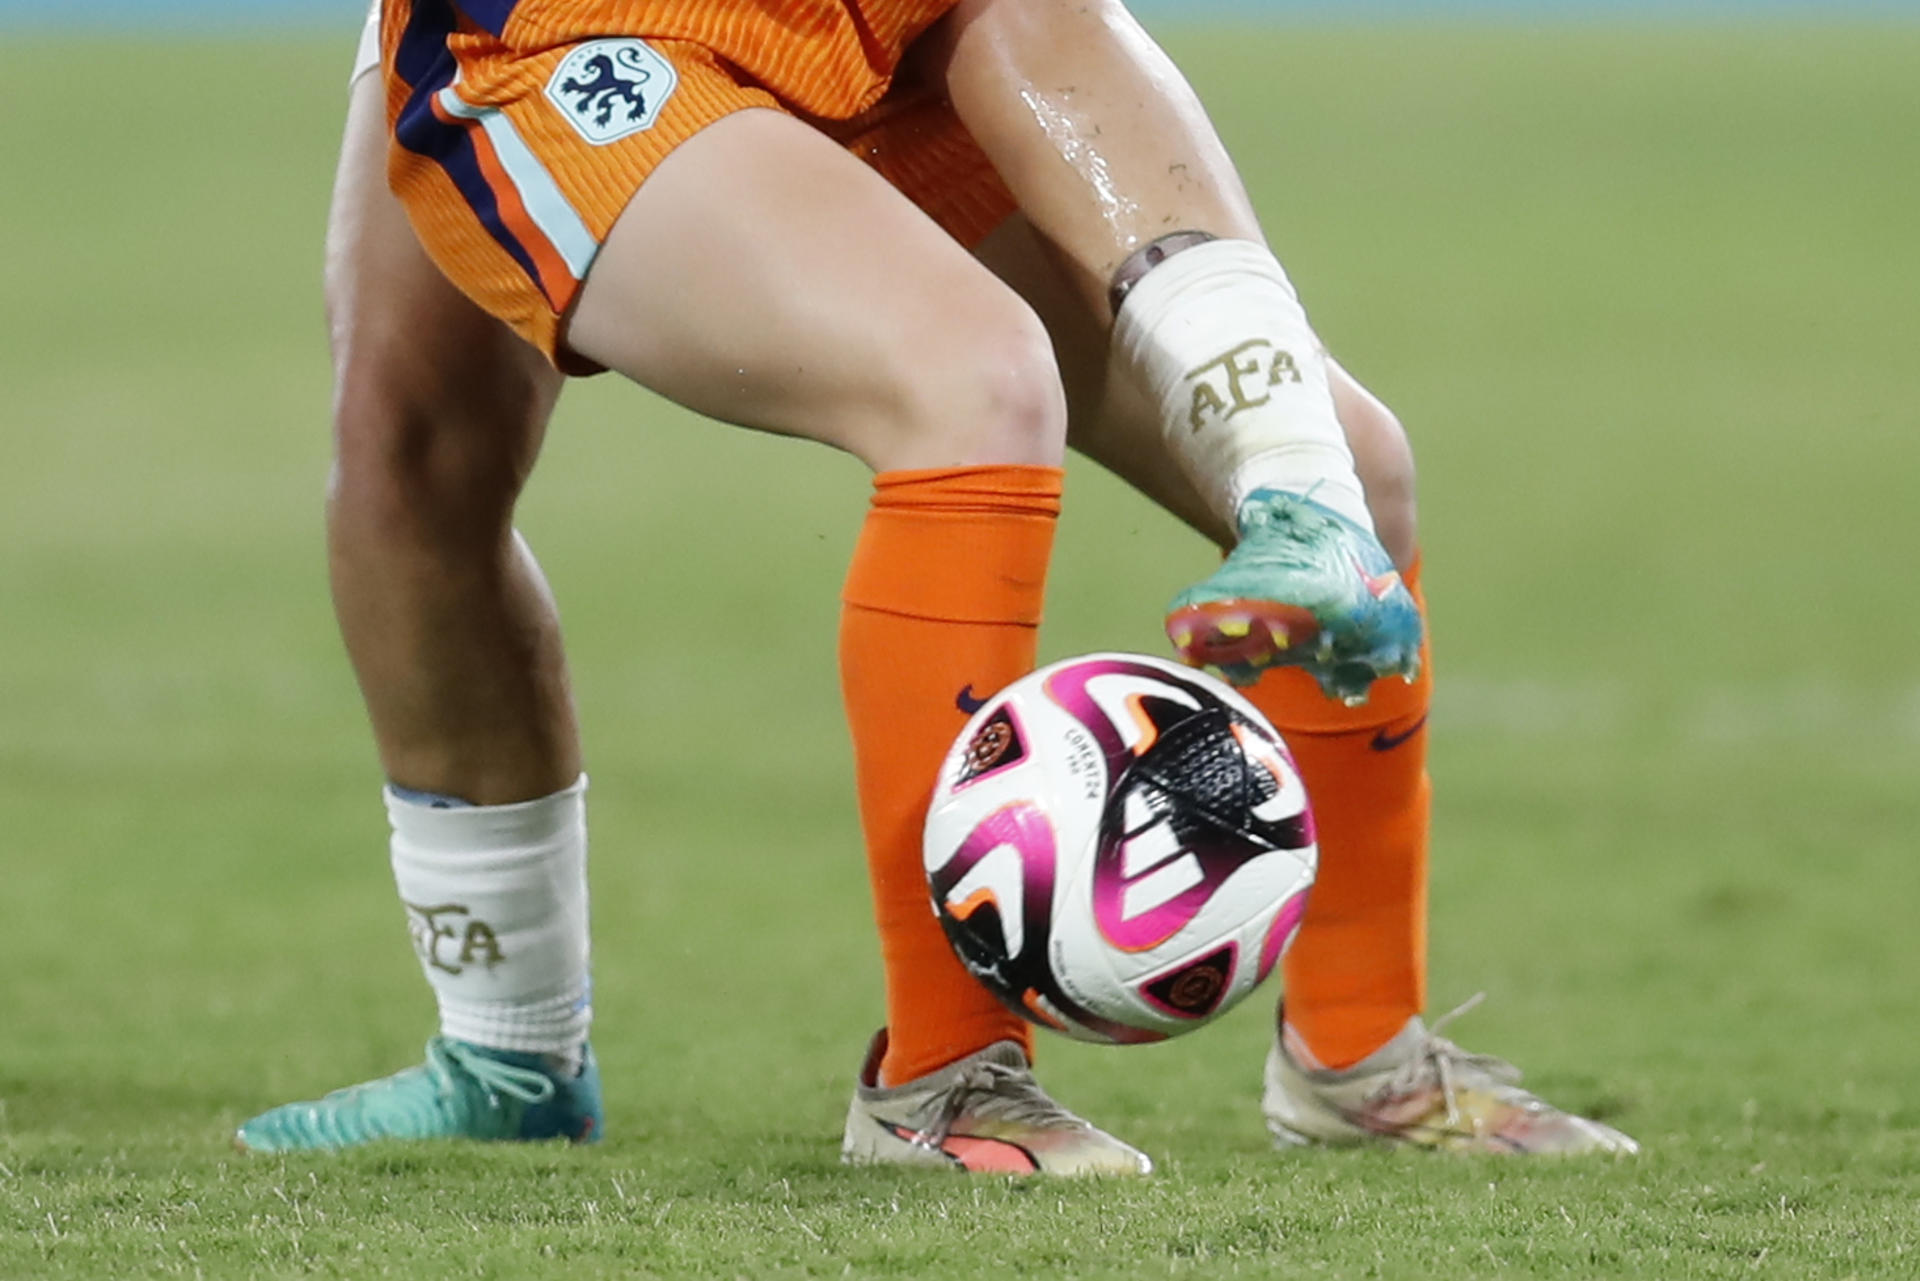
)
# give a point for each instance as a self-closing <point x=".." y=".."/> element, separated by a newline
<point x="1643" y="295"/>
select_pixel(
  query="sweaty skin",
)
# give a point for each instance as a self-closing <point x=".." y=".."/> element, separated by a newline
<point x="440" y="410"/>
<point x="1100" y="137"/>
<point x="1108" y="149"/>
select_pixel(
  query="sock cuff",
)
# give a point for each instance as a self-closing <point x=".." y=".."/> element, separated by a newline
<point x="1195" y="273"/>
<point x="536" y="1025"/>
<point x="475" y="831"/>
<point x="958" y="544"/>
<point x="1012" y="488"/>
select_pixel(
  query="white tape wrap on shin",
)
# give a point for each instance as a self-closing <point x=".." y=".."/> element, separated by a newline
<point x="496" y="899"/>
<point x="1223" y="348"/>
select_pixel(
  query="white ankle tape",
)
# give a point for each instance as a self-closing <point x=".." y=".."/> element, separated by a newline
<point x="496" y="899"/>
<point x="1222" y="347"/>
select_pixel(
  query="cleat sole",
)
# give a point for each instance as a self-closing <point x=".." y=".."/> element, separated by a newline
<point x="1241" y="637"/>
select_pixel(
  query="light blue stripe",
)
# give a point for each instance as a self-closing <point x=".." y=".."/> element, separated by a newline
<point x="538" y="192"/>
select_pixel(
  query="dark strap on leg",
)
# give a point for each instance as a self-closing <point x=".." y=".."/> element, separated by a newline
<point x="1143" y="260"/>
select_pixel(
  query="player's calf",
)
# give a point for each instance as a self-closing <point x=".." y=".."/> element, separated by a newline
<point x="1216" y="336"/>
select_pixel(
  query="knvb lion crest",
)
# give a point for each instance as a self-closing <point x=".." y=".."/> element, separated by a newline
<point x="609" y="89"/>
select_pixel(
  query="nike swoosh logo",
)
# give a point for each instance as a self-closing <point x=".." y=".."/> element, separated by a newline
<point x="1377" y="584"/>
<point x="965" y="700"/>
<point x="1385" y="742"/>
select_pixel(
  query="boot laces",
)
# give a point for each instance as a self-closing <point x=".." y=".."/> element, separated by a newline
<point x="528" y="1085"/>
<point x="1439" y="1064"/>
<point x="998" y="1091"/>
<point x="1303" y="528"/>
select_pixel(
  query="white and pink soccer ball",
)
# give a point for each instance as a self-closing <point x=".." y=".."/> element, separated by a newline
<point x="1119" y="847"/>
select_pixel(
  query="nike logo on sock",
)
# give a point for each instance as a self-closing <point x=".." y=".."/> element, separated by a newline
<point x="1385" y="742"/>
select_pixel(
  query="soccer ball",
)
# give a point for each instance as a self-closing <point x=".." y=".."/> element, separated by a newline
<point x="1119" y="847"/>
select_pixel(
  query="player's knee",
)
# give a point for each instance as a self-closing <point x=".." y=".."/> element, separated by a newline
<point x="1021" y="414"/>
<point x="987" y="393"/>
<point x="427" y="464"/>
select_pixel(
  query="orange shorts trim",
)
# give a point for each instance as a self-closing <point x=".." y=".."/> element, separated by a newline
<point x="515" y="159"/>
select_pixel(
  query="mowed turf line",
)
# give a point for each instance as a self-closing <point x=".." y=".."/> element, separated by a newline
<point x="1644" y="296"/>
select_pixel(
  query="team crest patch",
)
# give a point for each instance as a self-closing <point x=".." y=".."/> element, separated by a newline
<point x="609" y="89"/>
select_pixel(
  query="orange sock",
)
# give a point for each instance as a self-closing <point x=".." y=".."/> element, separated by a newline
<point x="1357" y="971"/>
<point x="943" y="597"/>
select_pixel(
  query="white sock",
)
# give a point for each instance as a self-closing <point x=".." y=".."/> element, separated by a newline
<point x="1218" y="338"/>
<point x="496" y="899"/>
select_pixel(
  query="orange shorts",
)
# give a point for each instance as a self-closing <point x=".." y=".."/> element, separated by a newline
<point x="523" y="127"/>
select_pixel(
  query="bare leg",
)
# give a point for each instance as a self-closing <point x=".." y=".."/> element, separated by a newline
<point x="1109" y="422"/>
<point x="439" y="414"/>
<point x="818" y="302"/>
<point x="1096" y="131"/>
<point x="1122" y="177"/>
<point x="815" y="301"/>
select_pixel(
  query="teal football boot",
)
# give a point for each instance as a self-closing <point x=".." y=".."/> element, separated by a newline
<point x="462" y="1091"/>
<point x="1305" y="587"/>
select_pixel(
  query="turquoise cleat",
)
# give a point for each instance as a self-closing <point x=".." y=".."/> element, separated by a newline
<point x="462" y="1091"/>
<point x="1305" y="587"/>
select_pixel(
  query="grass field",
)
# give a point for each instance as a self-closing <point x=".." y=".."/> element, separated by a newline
<point x="1646" y="298"/>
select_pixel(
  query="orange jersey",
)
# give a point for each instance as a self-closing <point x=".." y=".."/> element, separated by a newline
<point x="522" y="128"/>
<point x="829" y="58"/>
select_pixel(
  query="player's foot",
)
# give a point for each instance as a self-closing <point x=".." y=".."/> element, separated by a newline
<point x="1304" y="587"/>
<point x="462" y="1091"/>
<point x="1422" y="1090"/>
<point x="984" y="1114"/>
